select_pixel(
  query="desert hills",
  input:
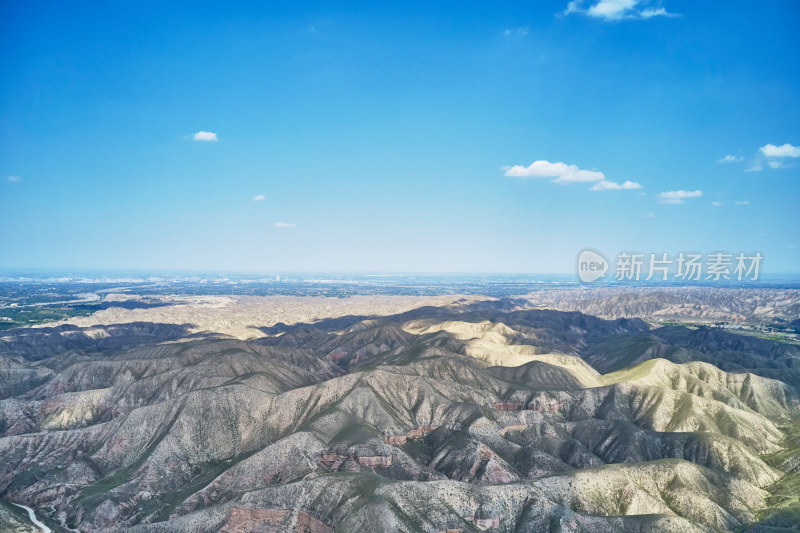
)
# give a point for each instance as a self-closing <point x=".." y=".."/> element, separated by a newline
<point x="457" y="414"/>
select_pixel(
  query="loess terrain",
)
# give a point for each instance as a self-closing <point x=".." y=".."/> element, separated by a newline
<point x="435" y="415"/>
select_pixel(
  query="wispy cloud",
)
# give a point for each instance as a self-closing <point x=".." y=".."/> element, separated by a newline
<point x="614" y="186"/>
<point x="730" y="159"/>
<point x="649" y="214"/>
<point x="677" y="197"/>
<point x="284" y="225"/>
<point x="720" y="204"/>
<point x="522" y="30"/>
<point x="14" y="179"/>
<point x="617" y="9"/>
<point x="258" y="197"/>
<point x="205" y="136"/>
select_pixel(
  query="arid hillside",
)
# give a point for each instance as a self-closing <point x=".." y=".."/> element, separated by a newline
<point x="459" y="415"/>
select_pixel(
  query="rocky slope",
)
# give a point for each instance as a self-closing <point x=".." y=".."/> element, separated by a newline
<point x="480" y="415"/>
<point x="696" y="304"/>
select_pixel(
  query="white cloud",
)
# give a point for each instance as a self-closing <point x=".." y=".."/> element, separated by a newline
<point x="787" y="150"/>
<point x="617" y="9"/>
<point x="649" y="214"/>
<point x="562" y="172"/>
<point x="773" y="156"/>
<point x="730" y="159"/>
<point x="743" y="202"/>
<point x="14" y="179"/>
<point x="258" y="197"/>
<point x="613" y="186"/>
<point x="284" y="225"/>
<point x="611" y="9"/>
<point x="677" y="197"/>
<point x="205" y="136"/>
<point x="769" y="155"/>
<point x="717" y="204"/>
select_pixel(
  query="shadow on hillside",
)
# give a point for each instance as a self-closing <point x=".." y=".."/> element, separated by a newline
<point x="44" y="342"/>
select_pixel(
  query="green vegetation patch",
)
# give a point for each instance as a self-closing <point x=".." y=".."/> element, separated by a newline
<point x="783" y="509"/>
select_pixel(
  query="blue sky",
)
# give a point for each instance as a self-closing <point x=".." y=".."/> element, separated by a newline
<point x="396" y="136"/>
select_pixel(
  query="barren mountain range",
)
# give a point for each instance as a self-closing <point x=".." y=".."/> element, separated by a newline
<point x="699" y="304"/>
<point x="436" y="415"/>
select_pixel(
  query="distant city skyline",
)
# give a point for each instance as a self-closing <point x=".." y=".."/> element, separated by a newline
<point x="402" y="137"/>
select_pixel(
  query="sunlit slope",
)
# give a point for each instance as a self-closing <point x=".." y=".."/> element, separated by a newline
<point x="430" y="420"/>
<point x="726" y="350"/>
